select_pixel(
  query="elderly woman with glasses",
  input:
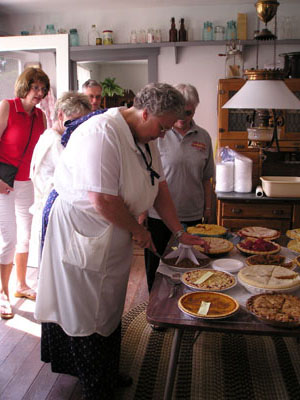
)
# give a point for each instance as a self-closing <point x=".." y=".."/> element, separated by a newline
<point x="21" y="124"/>
<point x="109" y="174"/>
<point x="187" y="159"/>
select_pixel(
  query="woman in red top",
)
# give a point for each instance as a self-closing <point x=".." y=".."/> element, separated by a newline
<point x="21" y="125"/>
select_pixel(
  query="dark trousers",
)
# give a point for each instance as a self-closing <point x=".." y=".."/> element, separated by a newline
<point x="160" y="237"/>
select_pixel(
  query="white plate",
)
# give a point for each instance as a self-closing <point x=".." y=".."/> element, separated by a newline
<point x="227" y="265"/>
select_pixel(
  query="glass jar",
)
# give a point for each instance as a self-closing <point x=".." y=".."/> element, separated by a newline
<point x="50" y="30"/>
<point x="142" y="36"/>
<point x="107" y="37"/>
<point x="231" y="31"/>
<point x="157" y="35"/>
<point x="74" y="38"/>
<point x="207" y="33"/>
<point x="93" y="35"/>
<point x="219" y="33"/>
<point x="150" y="35"/>
<point x="133" y="36"/>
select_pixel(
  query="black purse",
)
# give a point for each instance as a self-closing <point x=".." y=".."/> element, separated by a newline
<point x="8" y="172"/>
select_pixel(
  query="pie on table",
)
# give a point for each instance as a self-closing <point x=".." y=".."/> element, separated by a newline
<point x="259" y="232"/>
<point x="271" y="277"/>
<point x="293" y="233"/>
<point x="216" y="246"/>
<point x="258" y="246"/>
<point x="270" y="259"/>
<point x="294" y="245"/>
<point x="275" y="308"/>
<point x="208" y="279"/>
<point x="220" y="305"/>
<point x="207" y="230"/>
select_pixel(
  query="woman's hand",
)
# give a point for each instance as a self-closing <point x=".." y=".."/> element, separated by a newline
<point x="190" y="240"/>
<point x="5" y="188"/>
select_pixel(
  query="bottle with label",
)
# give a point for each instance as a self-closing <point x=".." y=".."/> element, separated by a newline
<point x="173" y="31"/>
<point x="107" y="37"/>
<point x="182" y="31"/>
<point x="93" y="35"/>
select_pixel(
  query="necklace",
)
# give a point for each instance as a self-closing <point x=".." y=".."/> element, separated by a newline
<point x="153" y="174"/>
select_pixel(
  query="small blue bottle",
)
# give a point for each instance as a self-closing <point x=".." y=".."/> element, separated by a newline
<point x="50" y="30"/>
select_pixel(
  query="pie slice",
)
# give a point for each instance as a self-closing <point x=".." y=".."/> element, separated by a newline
<point x="276" y="308"/>
<point x="259" y="232"/>
<point x="271" y="277"/>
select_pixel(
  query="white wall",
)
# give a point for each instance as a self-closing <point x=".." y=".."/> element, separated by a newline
<point x="199" y="65"/>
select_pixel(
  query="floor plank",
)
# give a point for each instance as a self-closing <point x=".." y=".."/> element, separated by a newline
<point x="23" y="376"/>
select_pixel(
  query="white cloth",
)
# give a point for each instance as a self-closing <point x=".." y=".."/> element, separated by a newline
<point x="15" y="221"/>
<point x="86" y="260"/>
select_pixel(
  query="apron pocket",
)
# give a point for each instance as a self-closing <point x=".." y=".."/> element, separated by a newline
<point x="87" y="252"/>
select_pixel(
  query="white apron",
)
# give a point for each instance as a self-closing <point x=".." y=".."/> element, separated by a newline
<point x="86" y="261"/>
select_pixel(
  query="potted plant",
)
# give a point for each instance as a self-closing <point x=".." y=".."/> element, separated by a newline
<point x="111" y="91"/>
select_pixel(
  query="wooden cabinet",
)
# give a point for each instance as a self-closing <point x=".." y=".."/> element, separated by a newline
<point x="232" y="125"/>
<point x="280" y="215"/>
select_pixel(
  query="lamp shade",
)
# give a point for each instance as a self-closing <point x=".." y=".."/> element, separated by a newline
<point x="264" y="94"/>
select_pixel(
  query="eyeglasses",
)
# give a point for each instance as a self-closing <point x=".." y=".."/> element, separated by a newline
<point x="37" y="88"/>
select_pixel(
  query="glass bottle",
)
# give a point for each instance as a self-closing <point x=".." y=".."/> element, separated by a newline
<point x="133" y="36"/>
<point x="182" y="31"/>
<point x="173" y="31"/>
<point x="93" y="35"/>
<point x="50" y="30"/>
<point x="74" y="38"/>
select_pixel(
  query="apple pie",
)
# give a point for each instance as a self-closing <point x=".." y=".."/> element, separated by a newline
<point x="216" y="246"/>
<point x="207" y="230"/>
<point x="293" y="233"/>
<point x="294" y="245"/>
<point x="270" y="277"/>
<point x="259" y="232"/>
<point x="275" y="308"/>
<point x="208" y="279"/>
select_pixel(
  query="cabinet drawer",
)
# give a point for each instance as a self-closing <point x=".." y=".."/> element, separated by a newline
<point x="235" y="224"/>
<point x="256" y="210"/>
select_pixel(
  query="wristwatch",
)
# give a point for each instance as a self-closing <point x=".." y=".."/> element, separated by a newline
<point x="178" y="234"/>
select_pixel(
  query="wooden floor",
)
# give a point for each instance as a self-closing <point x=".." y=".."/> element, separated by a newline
<point x="22" y="375"/>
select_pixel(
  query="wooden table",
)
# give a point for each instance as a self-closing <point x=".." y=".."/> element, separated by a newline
<point x="163" y="311"/>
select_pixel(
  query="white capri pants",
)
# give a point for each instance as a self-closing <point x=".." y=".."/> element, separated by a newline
<point x="15" y="221"/>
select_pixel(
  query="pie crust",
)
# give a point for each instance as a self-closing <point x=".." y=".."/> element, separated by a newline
<point x="293" y="233"/>
<point x="217" y="246"/>
<point x="270" y="259"/>
<point x="221" y="305"/>
<point x="186" y="262"/>
<point x="294" y="245"/>
<point x="217" y="282"/>
<point x="207" y="230"/>
<point x="271" y="277"/>
<point x="259" y="232"/>
<point x="297" y="260"/>
<point x="276" y="309"/>
<point x="275" y="246"/>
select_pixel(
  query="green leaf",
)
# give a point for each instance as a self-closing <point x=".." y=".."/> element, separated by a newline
<point x="110" y="88"/>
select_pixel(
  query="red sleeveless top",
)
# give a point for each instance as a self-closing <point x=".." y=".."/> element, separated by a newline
<point x="15" y="137"/>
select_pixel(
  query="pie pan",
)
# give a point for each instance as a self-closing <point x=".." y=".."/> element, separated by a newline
<point x="218" y="247"/>
<point x="271" y="259"/>
<point x="275" y="320"/>
<point x="227" y="265"/>
<point x="186" y="264"/>
<point x="253" y="231"/>
<point x="218" y="282"/>
<point x="251" y="252"/>
<point x="221" y="305"/>
<point x="259" y="290"/>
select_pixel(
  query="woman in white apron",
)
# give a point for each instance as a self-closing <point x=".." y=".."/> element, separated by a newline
<point x="109" y="174"/>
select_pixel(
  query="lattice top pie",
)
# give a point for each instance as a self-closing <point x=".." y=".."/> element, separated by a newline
<point x="208" y="279"/>
<point x="281" y="308"/>
<point x="207" y="230"/>
<point x="216" y="246"/>
<point x="269" y="277"/>
<point x="259" y="232"/>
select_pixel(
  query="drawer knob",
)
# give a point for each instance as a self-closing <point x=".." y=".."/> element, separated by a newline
<point x="277" y="212"/>
<point x="236" y="210"/>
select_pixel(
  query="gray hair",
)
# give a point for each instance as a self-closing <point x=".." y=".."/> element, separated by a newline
<point x="71" y="103"/>
<point x="189" y="93"/>
<point x="159" y="99"/>
<point x="90" y="83"/>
